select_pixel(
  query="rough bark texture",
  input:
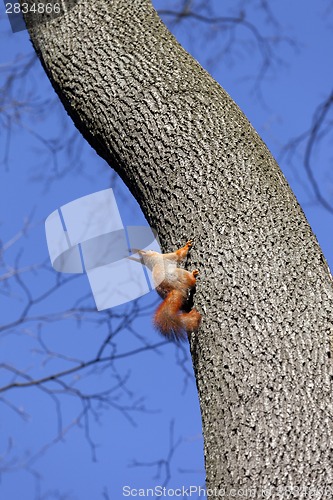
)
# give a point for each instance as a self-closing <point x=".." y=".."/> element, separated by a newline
<point x="198" y="169"/>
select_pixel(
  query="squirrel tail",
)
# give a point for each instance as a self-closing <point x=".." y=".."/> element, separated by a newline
<point x="172" y="322"/>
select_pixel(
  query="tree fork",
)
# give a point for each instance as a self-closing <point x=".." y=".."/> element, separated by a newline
<point x="198" y="169"/>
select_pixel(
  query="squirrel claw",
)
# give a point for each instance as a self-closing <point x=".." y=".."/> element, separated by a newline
<point x="189" y="243"/>
<point x="195" y="273"/>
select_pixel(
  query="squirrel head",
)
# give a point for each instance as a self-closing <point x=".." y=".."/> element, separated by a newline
<point x="150" y="258"/>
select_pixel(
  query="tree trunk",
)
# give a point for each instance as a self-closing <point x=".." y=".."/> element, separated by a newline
<point x="198" y="169"/>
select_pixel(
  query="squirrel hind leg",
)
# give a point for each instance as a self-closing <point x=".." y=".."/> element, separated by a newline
<point x="191" y="320"/>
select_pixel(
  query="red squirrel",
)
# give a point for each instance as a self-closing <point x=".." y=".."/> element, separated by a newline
<point x="173" y="284"/>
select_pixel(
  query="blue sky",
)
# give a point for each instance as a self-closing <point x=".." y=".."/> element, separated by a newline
<point x="157" y="397"/>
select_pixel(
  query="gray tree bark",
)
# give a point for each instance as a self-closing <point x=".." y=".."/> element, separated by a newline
<point x="198" y="169"/>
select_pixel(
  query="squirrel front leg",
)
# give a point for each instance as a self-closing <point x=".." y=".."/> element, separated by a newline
<point x="182" y="252"/>
<point x="178" y="255"/>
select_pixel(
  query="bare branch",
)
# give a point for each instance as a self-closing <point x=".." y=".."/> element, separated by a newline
<point x="163" y="465"/>
<point x="321" y="127"/>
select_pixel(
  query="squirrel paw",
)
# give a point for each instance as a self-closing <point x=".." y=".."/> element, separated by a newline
<point x="189" y="243"/>
<point x="195" y="273"/>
